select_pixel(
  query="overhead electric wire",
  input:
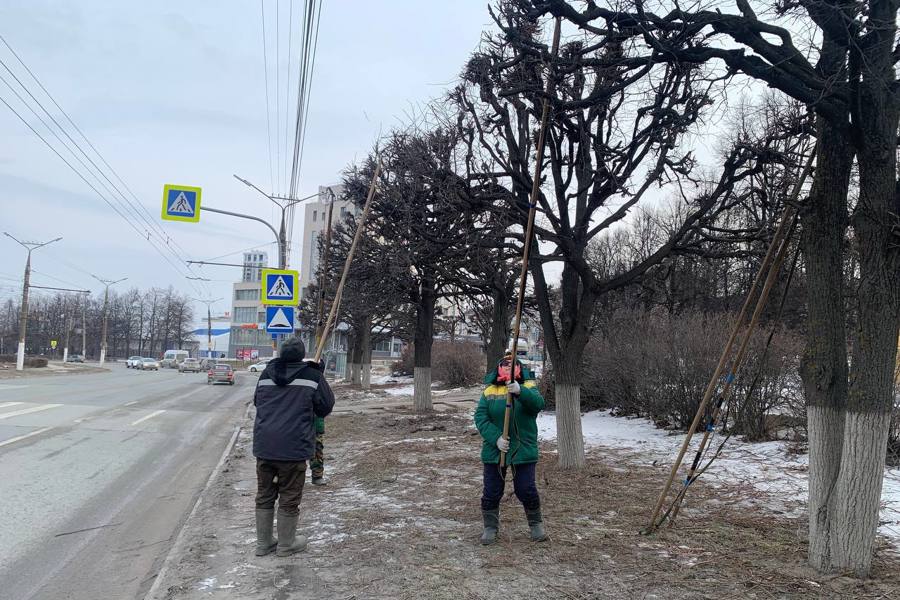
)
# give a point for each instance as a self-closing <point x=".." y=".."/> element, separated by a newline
<point x="85" y="180"/>
<point x="137" y="205"/>
<point x="278" y="97"/>
<point x="134" y="209"/>
<point x="306" y="65"/>
<point x="262" y="8"/>
<point x="287" y="85"/>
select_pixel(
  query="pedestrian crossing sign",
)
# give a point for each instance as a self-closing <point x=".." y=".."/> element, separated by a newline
<point x="181" y="203"/>
<point x="280" y="319"/>
<point x="279" y="287"/>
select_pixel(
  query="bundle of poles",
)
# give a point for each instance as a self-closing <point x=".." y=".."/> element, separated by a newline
<point x="730" y="362"/>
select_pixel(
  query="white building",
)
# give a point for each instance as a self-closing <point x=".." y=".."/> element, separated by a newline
<point x="221" y="332"/>
<point x="248" y="314"/>
<point x="315" y="222"/>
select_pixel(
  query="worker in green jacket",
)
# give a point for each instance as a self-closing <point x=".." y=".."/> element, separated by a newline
<point x="521" y="447"/>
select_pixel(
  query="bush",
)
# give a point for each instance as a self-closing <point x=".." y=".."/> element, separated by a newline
<point x="404" y="366"/>
<point x="457" y="363"/>
<point x="658" y="365"/>
<point x="31" y="362"/>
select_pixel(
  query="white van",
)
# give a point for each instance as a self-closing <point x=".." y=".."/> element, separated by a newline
<point x="173" y="358"/>
<point x="521" y="349"/>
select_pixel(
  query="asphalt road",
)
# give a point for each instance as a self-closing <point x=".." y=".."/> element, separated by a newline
<point x="99" y="471"/>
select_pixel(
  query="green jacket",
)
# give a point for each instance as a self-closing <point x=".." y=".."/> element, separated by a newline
<point x="523" y="443"/>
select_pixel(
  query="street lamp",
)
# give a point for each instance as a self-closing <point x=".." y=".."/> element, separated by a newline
<point x="106" y="283"/>
<point x="23" y="317"/>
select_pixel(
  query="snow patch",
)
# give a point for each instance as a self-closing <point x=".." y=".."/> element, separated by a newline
<point x="400" y="391"/>
<point x="782" y="477"/>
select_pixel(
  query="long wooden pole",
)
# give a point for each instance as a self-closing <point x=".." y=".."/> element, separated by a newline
<point x="764" y="270"/>
<point x="360" y="227"/>
<point x="529" y="235"/>
<point x="745" y="343"/>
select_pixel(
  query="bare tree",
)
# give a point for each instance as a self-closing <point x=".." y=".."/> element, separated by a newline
<point x="852" y="89"/>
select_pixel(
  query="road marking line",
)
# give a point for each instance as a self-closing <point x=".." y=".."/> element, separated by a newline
<point x="150" y="416"/>
<point x="26" y="411"/>
<point x="5" y="404"/>
<point x="22" y="437"/>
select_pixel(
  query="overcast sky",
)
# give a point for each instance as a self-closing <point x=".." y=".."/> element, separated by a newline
<point x="173" y="92"/>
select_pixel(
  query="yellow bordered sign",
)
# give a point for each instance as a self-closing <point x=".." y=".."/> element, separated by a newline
<point x="181" y="203"/>
<point x="280" y="287"/>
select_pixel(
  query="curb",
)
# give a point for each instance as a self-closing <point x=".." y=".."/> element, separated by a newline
<point x="154" y="592"/>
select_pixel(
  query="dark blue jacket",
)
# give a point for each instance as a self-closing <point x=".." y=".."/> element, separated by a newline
<point x="288" y="398"/>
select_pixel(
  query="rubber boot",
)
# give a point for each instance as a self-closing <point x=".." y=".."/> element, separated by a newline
<point x="491" y="520"/>
<point x="536" y="524"/>
<point x="265" y="542"/>
<point x="288" y="540"/>
<point x="320" y="480"/>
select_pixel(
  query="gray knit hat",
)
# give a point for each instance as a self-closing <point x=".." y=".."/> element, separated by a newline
<point x="293" y="350"/>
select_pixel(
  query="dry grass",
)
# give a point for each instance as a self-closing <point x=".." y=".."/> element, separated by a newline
<point x="424" y="475"/>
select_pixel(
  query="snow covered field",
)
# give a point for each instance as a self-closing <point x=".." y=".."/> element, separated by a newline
<point x="780" y="476"/>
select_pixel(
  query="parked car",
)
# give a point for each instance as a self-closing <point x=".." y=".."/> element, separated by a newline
<point x="133" y="362"/>
<point x="75" y="358"/>
<point x="260" y="366"/>
<point x="220" y="374"/>
<point x="190" y="365"/>
<point x="149" y="364"/>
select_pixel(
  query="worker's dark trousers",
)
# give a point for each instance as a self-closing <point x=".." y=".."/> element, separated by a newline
<point x="288" y="489"/>
<point x="523" y="483"/>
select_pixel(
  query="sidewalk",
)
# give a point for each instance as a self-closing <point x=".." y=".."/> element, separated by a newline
<point x="400" y="518"/>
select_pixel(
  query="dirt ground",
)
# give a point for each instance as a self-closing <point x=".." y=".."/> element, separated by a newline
<point x="400" y="518"/>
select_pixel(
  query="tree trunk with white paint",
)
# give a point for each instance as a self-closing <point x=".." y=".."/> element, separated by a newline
<point x="824" y="364"/>
<point x="422" y="342"/>
<point x="348" y="363"/>
<point x="870" y="398"/>
<point x="422" y="389"/>
<point x="568" y="426"/>
<point x="365" y="355"/>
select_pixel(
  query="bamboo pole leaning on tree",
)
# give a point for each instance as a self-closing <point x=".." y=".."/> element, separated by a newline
<point x="529" y="235"/>
<point x="766" y="275"/>
<point x="360" y="227"/>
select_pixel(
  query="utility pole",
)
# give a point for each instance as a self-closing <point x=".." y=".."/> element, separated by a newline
<point x="68" y="327"/>
<point x="208" y="304"/>
<point x="106" y="283"/>
<point x="23" y="316"/>
<point x="83" y="328"/>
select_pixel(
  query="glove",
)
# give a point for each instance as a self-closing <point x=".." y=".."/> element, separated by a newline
<point x="502" y="444"/>
<point x="514" y="388"/>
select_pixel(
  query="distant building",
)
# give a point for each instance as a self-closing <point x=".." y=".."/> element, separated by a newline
<point x="315" y="222"/>
<point x="248" y="335"/>
<point x="221" y="332"/>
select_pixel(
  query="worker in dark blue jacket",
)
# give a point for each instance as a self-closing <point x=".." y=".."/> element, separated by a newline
<point x="289" y="396"/>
